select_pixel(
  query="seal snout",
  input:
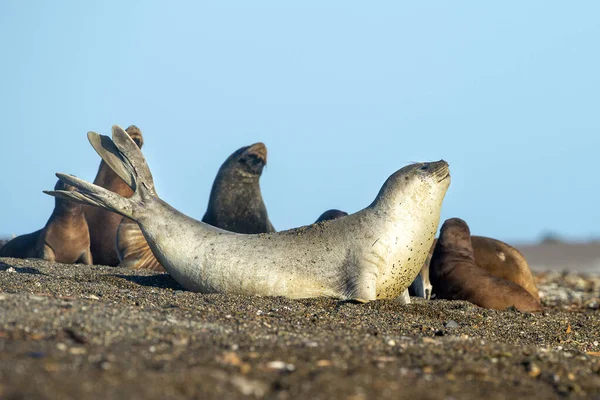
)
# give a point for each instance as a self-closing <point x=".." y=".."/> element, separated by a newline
<point x="259" y="150"/>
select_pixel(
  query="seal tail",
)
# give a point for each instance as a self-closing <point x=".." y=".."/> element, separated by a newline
<point x="126" y="159"/>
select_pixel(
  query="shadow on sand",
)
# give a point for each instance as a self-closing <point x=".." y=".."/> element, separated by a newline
<point x="163" y="281"/>
<point x="20" y="270"/>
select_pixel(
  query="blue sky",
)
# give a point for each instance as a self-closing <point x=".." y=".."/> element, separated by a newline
<point x="343" y="95"/>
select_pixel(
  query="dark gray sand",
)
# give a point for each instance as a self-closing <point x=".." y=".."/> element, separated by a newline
<point x="79" y="332"/>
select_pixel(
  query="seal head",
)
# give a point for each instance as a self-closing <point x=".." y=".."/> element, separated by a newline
<point x="236" y="202"/>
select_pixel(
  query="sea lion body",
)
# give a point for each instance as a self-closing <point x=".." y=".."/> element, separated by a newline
<point x="103" y="224"/>
<point x="64" y="239"/>
<point x="496" y="257"/>
<point x="372" y="254"/>
<point x="235" y="205"/>
<point x="455" y="275"/>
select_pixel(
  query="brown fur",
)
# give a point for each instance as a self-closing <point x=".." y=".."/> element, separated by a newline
<point x="133" y="249"/>
<point x="65" y="237"/>
<point x="455" y="275"/>
<point x="499" y="259"/>
<point x="103" y="224"/>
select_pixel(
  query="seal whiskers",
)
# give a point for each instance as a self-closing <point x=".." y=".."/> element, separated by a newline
<point x="331" y="258"/>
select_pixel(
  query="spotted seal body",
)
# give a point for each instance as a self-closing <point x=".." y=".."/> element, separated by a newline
<point x="65" y="237"/>
<point x="456" y="276"/>
<point x="103" y="224"/>
<point x="372" y="254"/>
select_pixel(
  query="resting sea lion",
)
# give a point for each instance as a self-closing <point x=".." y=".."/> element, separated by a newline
<point x="65" y="237"/>
<point x="331" y="214"/>
<point x="496" y="257"/>
<point x="236" y="205"/>
<point x="372" y="254"/>
<point x="455" y="275"/>
<point x="103" y="224"/>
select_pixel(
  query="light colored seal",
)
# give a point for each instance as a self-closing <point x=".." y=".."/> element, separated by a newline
<point x="103" y="224"/>
<point x="372" y="254"/>
<point x="236" y="204"/>
<point x="456" y="276"/>
<point x="498" y="258"/>
<point x="65" y="237"/>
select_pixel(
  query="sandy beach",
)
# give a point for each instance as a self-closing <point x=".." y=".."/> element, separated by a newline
<point x="73" y="332"/>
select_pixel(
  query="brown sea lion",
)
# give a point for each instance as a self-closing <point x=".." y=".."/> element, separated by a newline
<point x="65" y="237"/>
<point x="103" y="224"/>
<point x="331" y="214"/>
<point x="235" y="205"/>
<point x="496" y="257"/>
<point x="456" y="276"/>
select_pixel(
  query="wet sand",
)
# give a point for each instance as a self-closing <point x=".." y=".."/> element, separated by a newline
<point x="74" y="332"/>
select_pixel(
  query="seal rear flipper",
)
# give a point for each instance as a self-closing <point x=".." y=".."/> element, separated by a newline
<point x="124" y="156"/>
<point x="90" y="194"/>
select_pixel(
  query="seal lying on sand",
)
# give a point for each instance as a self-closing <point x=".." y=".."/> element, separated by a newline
<point x="455" y="275"/>
<point x="496" y="257"/>
<point x="236" y="205"/>
<point x="103" y="224"/>
<point x="331" y="214"/>
<point x="64" y="239"/>
<point x="374" y="253"/>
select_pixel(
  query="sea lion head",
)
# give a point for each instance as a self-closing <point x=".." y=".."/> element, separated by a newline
<point x="136" y="134"/>
<point x="455" y="236"/>
<point x="65" y="204"/>
<point x="331" y="214"/>
<point x="247" y="162"/>
<point x="421" y="185"/>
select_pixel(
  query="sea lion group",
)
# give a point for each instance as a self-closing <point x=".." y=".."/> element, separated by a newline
<point x="375" y="253"/>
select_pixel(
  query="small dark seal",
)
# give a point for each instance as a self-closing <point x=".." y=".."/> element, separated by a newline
<point x="331" y="214"/>
<point x="64" y="239"/>
<point x="455" y="275"/>
<point x="236" y="203"/>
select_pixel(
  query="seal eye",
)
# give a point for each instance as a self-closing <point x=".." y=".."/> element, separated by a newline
<point x="424" y="167"/>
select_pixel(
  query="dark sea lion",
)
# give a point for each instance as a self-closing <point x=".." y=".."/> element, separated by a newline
<point x="331" y="214"/>
<point x="236" y="203"/>
<point x="103" y="224"/>
<point x="496" y="257"/>
<point x="65" y="237"/>
<point x="455" y="275"/>
<point x="372" y="254"/>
